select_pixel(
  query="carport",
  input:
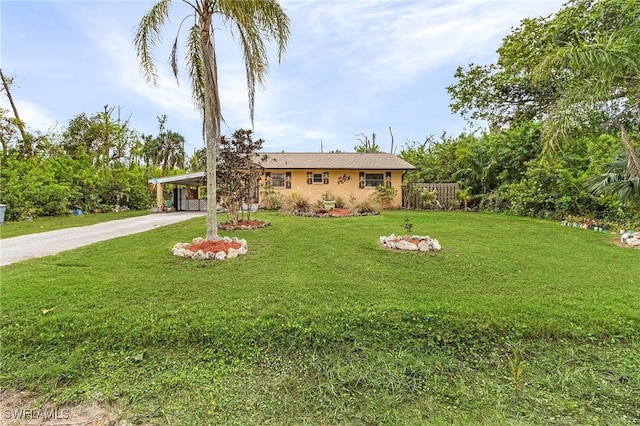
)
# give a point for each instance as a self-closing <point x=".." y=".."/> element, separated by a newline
<point x="186" y="191"/>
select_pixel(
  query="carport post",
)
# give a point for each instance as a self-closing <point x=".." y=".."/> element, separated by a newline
<point x="160" y="197"/>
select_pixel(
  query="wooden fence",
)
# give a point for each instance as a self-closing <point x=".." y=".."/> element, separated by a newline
<point x="446" y="196"/>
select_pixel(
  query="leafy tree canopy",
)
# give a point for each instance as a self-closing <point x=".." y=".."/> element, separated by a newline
<point x="576" y="70"/>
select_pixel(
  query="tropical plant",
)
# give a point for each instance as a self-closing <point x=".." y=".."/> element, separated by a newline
<point x="465" y="195"/>
<point x="364" y="206"/>
<point x="602" y="70"/>
<point x="623" y="177"/>
<point x="269" y="198"/>
<point x="296" y="203"/>
<point x="254" y="21"/>
<point x="165" y="150"/>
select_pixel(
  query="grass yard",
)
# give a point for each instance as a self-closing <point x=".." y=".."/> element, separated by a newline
<point x="515" y="321"/>
<point x="44" y="224"/>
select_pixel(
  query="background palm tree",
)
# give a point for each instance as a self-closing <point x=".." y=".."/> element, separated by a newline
<point x="252" y="22"/>
<point x="165" y="150"/>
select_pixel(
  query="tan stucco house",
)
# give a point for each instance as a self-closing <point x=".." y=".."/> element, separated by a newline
<point x="346" y="175"/>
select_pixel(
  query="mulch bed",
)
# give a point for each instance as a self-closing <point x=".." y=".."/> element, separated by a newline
<point x="214" y="246"/>
<point x="335" y="212"/>
<point x="243" y="224"/>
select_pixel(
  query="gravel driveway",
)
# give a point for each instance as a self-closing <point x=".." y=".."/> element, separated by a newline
<point x="47" y="243"/>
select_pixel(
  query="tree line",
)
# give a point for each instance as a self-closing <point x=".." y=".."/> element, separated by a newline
<point x="560" y="110"/>
<point x="95" y="163"/>
<point x="557" y="120"/>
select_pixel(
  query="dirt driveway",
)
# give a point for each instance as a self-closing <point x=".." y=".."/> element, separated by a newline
<point x="47" y="243"/>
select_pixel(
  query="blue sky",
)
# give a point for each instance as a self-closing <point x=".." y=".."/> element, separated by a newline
<point x="351" y="67"/>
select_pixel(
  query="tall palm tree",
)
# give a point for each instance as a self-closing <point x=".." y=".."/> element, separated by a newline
<point x="253" y="22"/>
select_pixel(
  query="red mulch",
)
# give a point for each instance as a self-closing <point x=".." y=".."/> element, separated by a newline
<point x="243" y="224"/>
<point x="214" y="246"/>
<point x="340" y="212"/>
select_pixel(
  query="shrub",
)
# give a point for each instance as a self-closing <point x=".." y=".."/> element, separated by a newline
<point x="328" y="196"/>
<point x="270" y="199"/>
<point x="365" y="206"/>
<point x="427" y="198"/>
<point x="296" y="202"/>
<point x="385" y="194"/>
<point x="340" y="202"/>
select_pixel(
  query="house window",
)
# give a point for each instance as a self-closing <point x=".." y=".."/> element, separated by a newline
<point x="278" y="180"/>
<point x="317" y="178"/>
<point x="373" y="179"/>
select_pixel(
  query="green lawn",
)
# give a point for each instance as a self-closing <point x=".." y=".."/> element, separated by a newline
<point x="44" y="224"/>
<point x="515" y="321"/>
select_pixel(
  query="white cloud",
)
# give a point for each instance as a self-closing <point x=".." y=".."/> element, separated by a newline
<point x="35" y="117"/>
<point x="351" y="66"/>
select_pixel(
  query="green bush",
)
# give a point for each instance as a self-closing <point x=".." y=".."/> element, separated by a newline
<point x="269" y="198"/>
<point x="50" y="186"/>
<point x="385" y="194"/>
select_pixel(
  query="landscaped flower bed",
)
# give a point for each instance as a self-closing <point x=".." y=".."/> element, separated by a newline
<point x="410" y="243"/>
<point x="584" y="223"/>
<point x="334" y="212"/>
<point x="201" y="249"/>
<point x="630" y="238"/>
<point x="243" y="224"/>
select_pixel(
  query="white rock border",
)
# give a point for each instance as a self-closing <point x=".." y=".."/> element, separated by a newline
<point x="405" y="243"/>
<point x="631" y="238"/>
<point x="180" y="250"/>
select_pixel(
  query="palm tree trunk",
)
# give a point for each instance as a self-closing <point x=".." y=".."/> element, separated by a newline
<point x="211" y="121"/>
<point x="633" y="162"/>
<point x="26" y="138"/>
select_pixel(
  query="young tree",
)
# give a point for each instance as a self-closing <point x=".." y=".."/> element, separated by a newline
<point x="238" y="172"/>
<point x="623" y="176"/>
<point x="254" y="21"/>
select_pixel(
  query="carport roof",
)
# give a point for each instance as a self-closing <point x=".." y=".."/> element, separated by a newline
<point x="193" y="179"/>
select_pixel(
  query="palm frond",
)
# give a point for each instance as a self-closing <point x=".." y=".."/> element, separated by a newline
<point x="173" y="58"/>
<point x="602" y="70"/>
<point x="603" y="184"/>
<point x="148" y="35"/>
<point x="253" y="22"/>
<point x="623" y="176"/>
<point x="194" y="66"/>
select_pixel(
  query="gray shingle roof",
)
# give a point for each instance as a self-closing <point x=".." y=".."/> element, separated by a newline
<point x="341" y="160"/>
